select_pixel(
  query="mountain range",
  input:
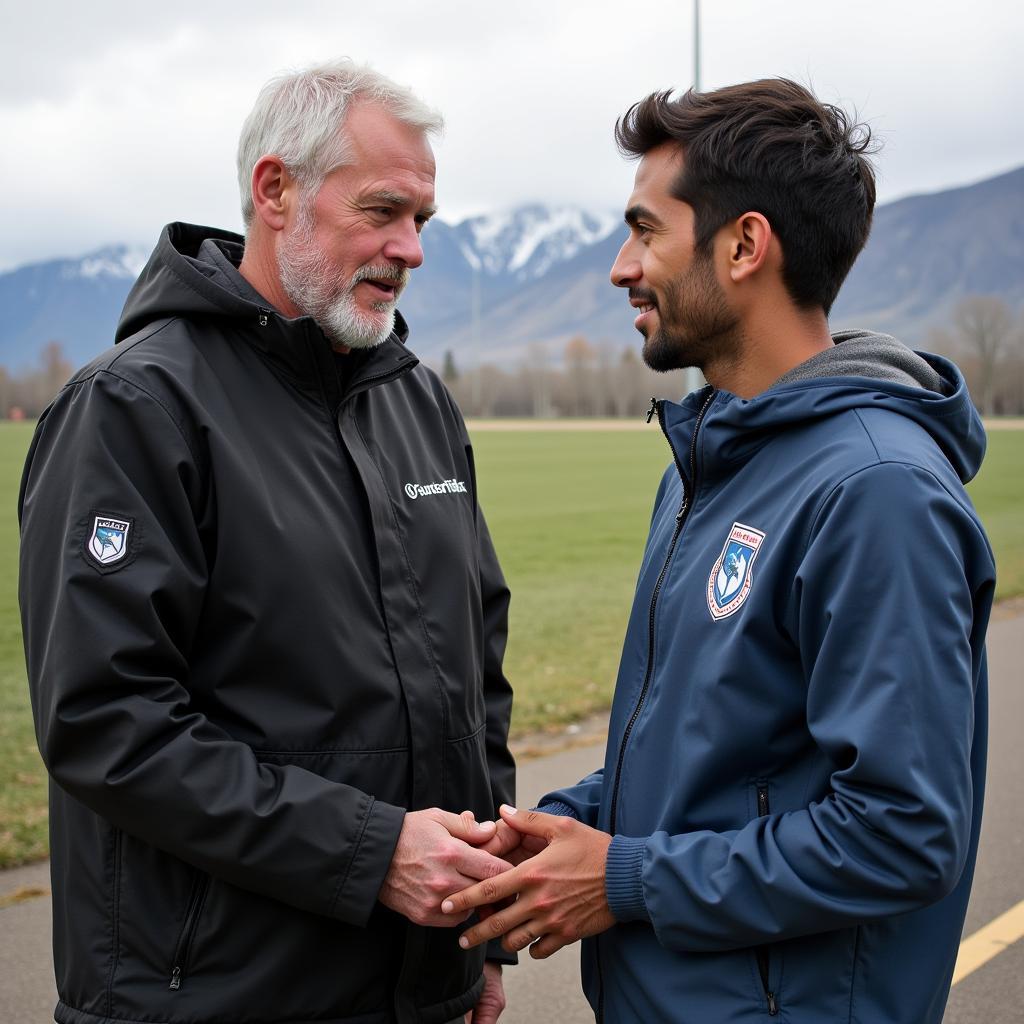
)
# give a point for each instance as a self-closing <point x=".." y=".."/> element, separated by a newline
<point x="493" y="286"/>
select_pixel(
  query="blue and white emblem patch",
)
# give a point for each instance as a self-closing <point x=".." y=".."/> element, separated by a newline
<point x="108" y="542"/>
<point x="730" y="580"/>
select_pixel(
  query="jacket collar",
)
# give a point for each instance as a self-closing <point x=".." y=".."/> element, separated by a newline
<point x="178" y="282"/>
<point x="732" y="429"/>
<point x="299" y="349"/>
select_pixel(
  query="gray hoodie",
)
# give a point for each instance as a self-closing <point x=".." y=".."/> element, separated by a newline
<point x="866" y="354"/>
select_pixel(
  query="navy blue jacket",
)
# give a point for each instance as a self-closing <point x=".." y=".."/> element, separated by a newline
<point x="796" y="753"/>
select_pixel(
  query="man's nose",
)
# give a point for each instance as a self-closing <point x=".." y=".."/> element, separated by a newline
<point x="404" y="246"/>
<point x="626" y="268"/>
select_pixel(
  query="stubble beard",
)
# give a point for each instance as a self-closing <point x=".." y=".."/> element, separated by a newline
<point x="696" y="327"/>
<point x="310" y="284"/>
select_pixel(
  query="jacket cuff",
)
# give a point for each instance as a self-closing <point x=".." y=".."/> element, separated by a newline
<point x="623" y="882"/>
<point x="557" y="807"/>
<point x="357" y="895"/>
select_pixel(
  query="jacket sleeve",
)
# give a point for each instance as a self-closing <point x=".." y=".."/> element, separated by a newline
<point x="108" y="650"/>
<point x="582" y="801"/>
<point x="889" y="610"/>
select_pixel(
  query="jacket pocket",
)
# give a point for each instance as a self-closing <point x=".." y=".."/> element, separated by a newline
<point x="767" y="955"/>
<point x="183" y="947"/>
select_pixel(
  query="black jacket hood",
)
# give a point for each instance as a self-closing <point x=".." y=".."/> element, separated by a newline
<point x="177" y="281"/>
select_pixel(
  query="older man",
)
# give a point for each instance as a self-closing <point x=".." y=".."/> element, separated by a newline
<point x="263" y="618"/>
<point x="788" y="814"/>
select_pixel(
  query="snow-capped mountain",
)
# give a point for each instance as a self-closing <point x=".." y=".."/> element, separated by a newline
<point x="527" y="241"/>
<point x="115" y="261"/>
<point x="78" y="301"/>
<point x="73" y="301"/>
<point x="492" y="286"/>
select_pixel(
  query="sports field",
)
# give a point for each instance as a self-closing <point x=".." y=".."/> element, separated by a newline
<point x="568" y="510"/>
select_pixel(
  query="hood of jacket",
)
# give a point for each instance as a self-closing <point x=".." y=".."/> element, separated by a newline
<point x="864" y="370"/>
<point x="181" y="280"/>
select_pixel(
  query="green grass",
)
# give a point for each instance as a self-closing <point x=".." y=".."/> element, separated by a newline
<point x="998" y="495"/>
<point x="23" y="818"/>
<point x="569" y="514"/>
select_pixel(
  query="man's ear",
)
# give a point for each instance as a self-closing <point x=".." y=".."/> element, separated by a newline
<point x="749" y="239"/>
<point x="274" y="192"/>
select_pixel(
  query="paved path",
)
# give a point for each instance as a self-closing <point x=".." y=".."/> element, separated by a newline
<point x="541" y="992"/>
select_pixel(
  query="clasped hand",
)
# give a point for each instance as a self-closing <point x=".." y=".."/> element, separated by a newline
<point x="557" y="884"/>
<point x="437" y="853"/>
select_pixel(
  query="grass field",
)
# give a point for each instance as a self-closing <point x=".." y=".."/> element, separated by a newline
<point x="569" y="515"/>
<point x="22" y="776"/>
<point x="568" y="511"/>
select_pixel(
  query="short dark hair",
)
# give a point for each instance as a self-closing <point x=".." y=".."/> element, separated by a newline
<point x="770" y="147"/>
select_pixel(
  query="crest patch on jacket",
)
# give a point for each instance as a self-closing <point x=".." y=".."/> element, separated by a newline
<point x="730" y="580"/>
<point x="108" y="540"/>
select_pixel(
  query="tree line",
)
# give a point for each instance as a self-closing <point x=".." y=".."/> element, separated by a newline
<point x="984" y="337"/>
<point x="25" y="394"/>
<point x="577" y="379"/>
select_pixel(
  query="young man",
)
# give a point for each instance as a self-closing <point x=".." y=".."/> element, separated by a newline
<point x="787" y="818"/>
<point x="263" y="617"/>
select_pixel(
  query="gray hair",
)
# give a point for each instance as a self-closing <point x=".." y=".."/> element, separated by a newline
<point x="299" y="117"/>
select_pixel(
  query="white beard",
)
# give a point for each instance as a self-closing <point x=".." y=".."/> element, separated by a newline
<point x="307" y="282"/>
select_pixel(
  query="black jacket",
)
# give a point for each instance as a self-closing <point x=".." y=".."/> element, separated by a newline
<point x="262" y="618"/>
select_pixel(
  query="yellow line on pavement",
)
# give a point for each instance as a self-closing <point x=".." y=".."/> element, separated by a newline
<point x="999" y="934"/>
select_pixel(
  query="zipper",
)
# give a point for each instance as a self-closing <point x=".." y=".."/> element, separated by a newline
<point x="365" y="383"/>
<point x="763" y="960"/>
<point x="763" y="953"/>
<point x="188" y="930"/>
<point x="684" y="507"/>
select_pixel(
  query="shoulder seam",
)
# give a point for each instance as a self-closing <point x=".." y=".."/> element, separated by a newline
<point x="125" y="347"/>
<point x="153" y="398"/>
<point x="967" y="510"/>
<point x="871" y="440"/>
<point x="136" y="339"/>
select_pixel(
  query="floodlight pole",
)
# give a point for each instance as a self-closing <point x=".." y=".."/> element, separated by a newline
<point x="694" y="378"/>
<point x="696" y="45"/>
<point x="475" y="315"/>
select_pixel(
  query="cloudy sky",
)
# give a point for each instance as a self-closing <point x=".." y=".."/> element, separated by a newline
<point x="117" y="117"/>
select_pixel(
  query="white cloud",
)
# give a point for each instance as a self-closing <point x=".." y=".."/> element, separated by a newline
<point x="118" y="117"/>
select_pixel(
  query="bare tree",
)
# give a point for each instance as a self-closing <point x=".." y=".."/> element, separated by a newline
<point x="983" y="325"/>
<point x="56" y="369"/>
<point x="449" y="371"/>
<point x="631" y="391"/>
<point x="29" y="392"/>
<point x="538" y="377"/>
<point x="579" y="360"/>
